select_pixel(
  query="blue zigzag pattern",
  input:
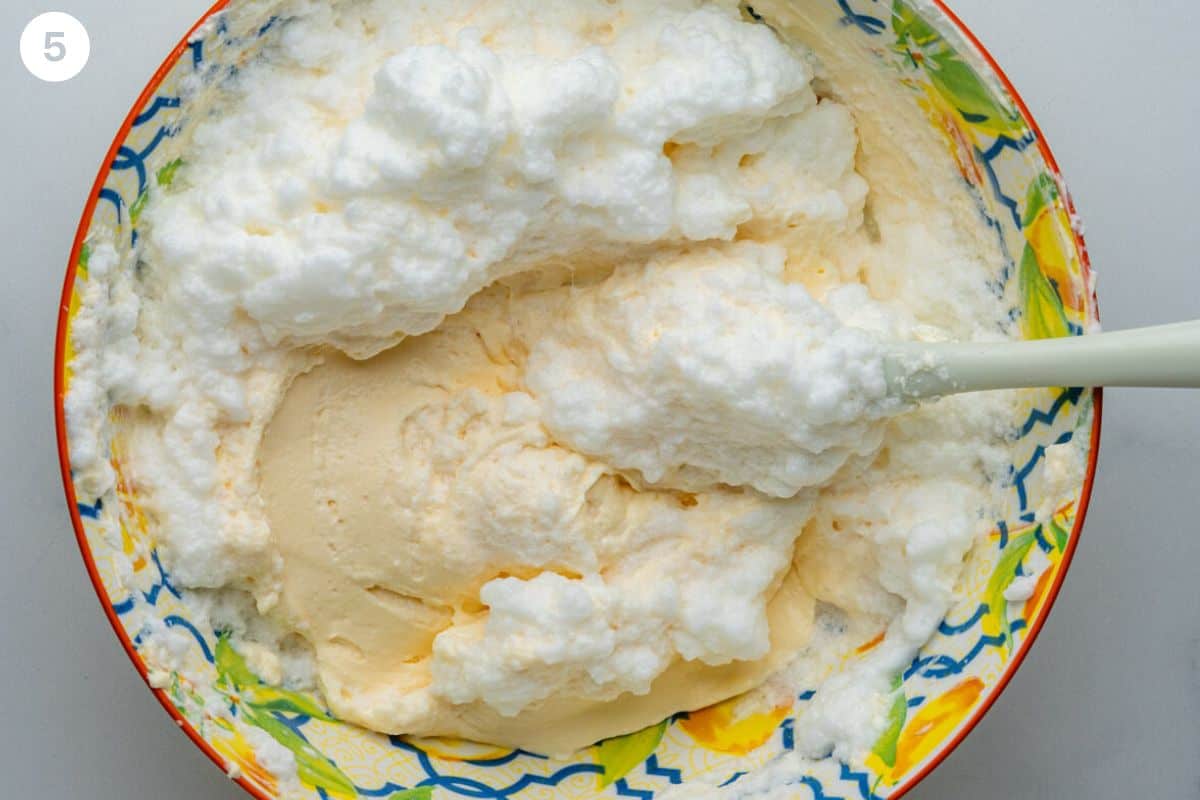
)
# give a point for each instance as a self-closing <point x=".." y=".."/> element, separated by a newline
<point x="1048" y="418"/>
<point x="860" y="779"/>
<point x="158" y="104"/>
<point x="672" y="775"/>
<point x="948" y="629"/>
<point x="151" y="595"/>
<point x="933" y="666"/>
<point x="502" y="760"/>
<point x="625" y="790"/>
<point x="127" y="158"/>
<point x="943" y="666"/>
<point x="872" y="26"/>
<point x="1021" y="475"/>
<point x="175" y="621"/>
<point x="125" y="606"/>
<point x="1003" y="143"/>
<point x="467" y="787"/>
<point x="112" y="197"/>
<point x="1003" y="199"/>
<point x="163" y="584"/>
<point x="1039" y="536"/>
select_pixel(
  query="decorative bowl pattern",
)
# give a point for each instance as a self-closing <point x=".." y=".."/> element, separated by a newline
<point x="940" y="696"/>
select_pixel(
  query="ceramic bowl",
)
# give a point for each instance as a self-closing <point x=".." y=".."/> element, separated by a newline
<point x="953" y="681"/>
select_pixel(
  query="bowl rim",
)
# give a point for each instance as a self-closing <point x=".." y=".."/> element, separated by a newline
<point x="1089" y="481"/>
<point x="60" y="348"/>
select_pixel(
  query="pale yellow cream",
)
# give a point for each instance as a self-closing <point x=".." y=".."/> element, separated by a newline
<point x="398" y="487"/>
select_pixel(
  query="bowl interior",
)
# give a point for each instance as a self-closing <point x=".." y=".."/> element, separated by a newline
<point x="239" y="723"/>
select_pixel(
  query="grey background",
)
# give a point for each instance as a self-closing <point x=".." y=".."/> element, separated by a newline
<point x="1107" y="705"/>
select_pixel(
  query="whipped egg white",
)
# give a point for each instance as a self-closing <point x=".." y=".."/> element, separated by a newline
<point x="524" y="361"/>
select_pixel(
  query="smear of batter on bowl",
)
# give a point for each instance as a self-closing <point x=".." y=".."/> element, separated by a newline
<point x="523" y="360"/>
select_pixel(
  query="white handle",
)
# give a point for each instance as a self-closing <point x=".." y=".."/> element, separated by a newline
<point x="1167" y="356"/>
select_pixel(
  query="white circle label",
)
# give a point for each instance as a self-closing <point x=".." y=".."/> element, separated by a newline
<point x="55" y="46"/>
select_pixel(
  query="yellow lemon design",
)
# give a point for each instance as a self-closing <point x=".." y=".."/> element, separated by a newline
<point x="69" y="344"/>
<point x="1058" y="258"/>
<point x="241" y="758"/>
<point x="936" y="722"/>
<point x="131" y="512"/>
<point x="458" y="749"/>
<point x="717" y="728"/>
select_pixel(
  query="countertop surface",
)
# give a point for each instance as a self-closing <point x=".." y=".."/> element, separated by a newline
<point x="1106" y="706"/>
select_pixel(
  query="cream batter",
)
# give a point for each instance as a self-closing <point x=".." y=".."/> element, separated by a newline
<point x="524" y="361"/>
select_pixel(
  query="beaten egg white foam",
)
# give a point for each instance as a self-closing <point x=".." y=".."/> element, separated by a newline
<point x="524" y="361"/>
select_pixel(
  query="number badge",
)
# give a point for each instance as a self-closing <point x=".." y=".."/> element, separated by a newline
<point x="55" y="46"/>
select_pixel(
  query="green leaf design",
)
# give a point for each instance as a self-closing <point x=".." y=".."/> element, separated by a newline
<point x="912" y="27"/>
<point x="269" y="698"/>
<point x="231" y="666"/>
<point x="166" y="173"/>
<point x="962" y="86"/>
<point x="1002" y="578"/>
<point x="139" y="205"/>
<point x="952" y="77"/>
<point x="1060" y="536"/>
<point x="621" y="754"/>
<point x="85" y="255"/>
<point x="1044" y="316"/>
<point x="421" y="793"/>
<point x="1042" y="194"/>
<point x="259" y="702"/>
<point x="885" y="748"/>
<point x="239" y="677"/>
<point x="313" y="767"/>
<point x="164" y="176"/>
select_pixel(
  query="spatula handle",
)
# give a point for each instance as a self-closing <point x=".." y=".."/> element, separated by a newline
<point x="1167" y="356"/>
